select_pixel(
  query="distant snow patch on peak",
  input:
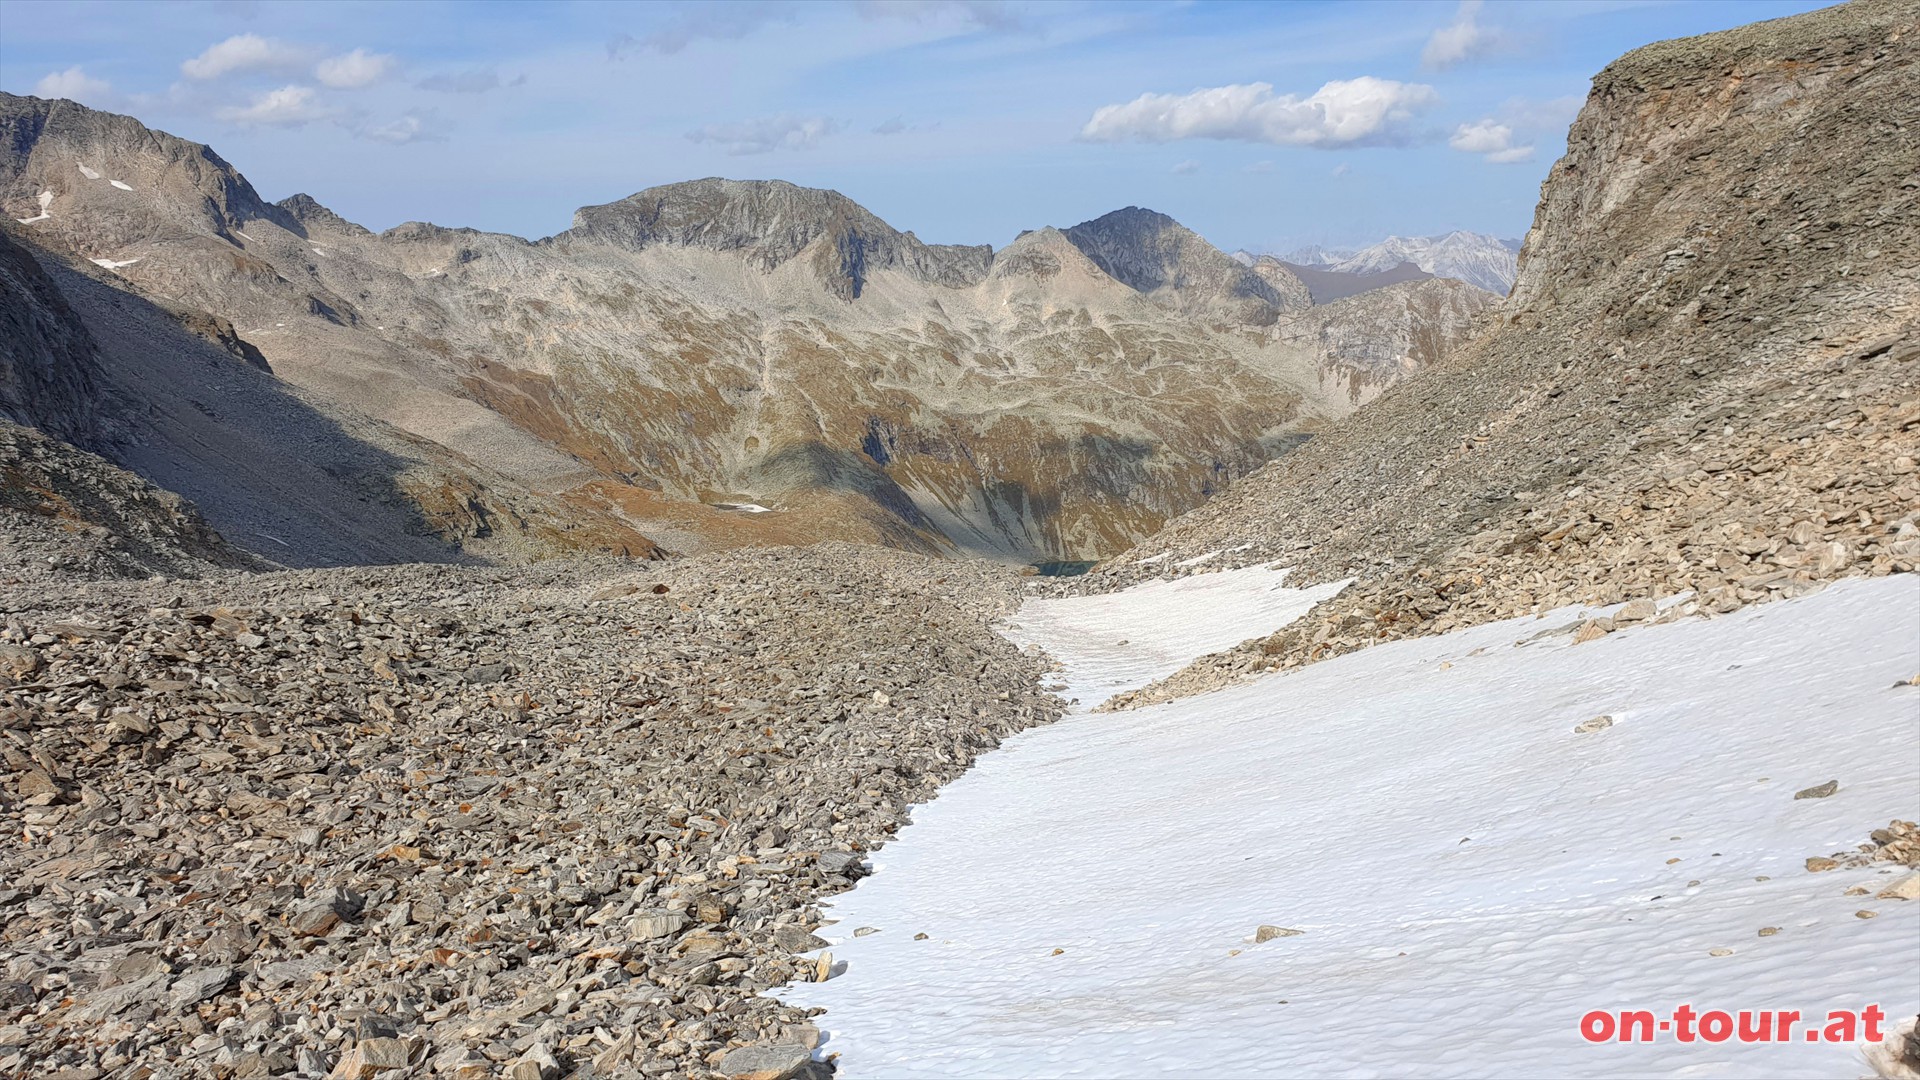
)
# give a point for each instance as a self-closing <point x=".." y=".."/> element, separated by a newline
<point x="121" y="186"/>
<point x="46" y="201"/>
<point x="111" y="264"/>
<point x="88" y="173"/>
<point x="743" y="507"/>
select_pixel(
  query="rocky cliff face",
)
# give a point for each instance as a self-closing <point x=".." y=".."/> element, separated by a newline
<point x="722" y="343"/>
<point x="47" y="372"/>
<point x="1704" y="380"/>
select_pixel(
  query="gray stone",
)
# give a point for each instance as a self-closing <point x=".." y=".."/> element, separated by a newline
<point x="768" y="1061"/>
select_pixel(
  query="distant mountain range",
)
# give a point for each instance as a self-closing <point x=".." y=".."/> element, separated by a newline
<point x="326" y="394"/>
<point x="1487" y="262"/>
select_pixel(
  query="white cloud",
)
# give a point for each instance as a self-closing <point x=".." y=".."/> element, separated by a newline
<point x="245" y="52"/>
<point x="1341" y="170"/>
<point x="1186" y="168"/>
<point x="468" y="82"/>
<point x="72" y="83"/>
<point x="289" y="106"/>
<point x="783" y="132"/>
<point x="1491" y="138"/>
<point x="1461" y="40"/>
<point x="1352" y="112"/>
<point x="411" y="128"/>
<point x="351" y="71"/>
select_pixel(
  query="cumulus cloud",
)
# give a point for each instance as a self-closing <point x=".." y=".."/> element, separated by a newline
<point x="768" y="133"/>
<point x="245" y="52"/>
<point x="1459" y="41"/>
<point x="1341" y="170"/>
<point x="1491" y="139"/>
<point x="1351" y="112"/>
<point x="468" y="82"/>
<point x="289" y="106"/>
<point x="72" y="83"/>
<point x="1186" y="168"/>
<point x="351" y="71"/>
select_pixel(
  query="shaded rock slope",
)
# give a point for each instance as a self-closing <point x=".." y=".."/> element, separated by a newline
<point x="723" y="342"/>
<point x="1704" y="380"/>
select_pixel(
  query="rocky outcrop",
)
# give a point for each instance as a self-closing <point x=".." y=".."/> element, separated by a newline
<point x="1704" y="380"/>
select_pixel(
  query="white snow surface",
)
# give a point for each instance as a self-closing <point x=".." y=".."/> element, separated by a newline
<point x="743" y="507"/>
<point x="114" y="265"/>
<point x="45" y="199"/>
<point x="1472" y="876"/>
<point x="88" y="173"/>
<point x="120" y="185"/>
<point x="1116" y="642"/>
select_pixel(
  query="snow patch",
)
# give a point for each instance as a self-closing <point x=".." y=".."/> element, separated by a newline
<point x="45" y="199"/>
<point x="1471" y="874"/>
<point x="114" y="265"/>
<point x="121" y="186"/>
<point x="1115" y="642"/>
<point x="88" y="173"/>
<point x="743" y="507"/>
<point x="1197" y="559"/>
<point x="242" y="235"/>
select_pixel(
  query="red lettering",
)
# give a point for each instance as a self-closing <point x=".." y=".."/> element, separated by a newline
<point x="1754" y="1026"/>
<point x="1636" y="1026"/>
<point x="1783" y="1022"/>
<point x="1597" y="1026"/>
<point x="1716" y="1026"/>
<point x="1683" y="1023"/>
<point x="1871" y="1016"/>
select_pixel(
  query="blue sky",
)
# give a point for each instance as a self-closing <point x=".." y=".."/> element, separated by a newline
<point x="1263" y="126"/>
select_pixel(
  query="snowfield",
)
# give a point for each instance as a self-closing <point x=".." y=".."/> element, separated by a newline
<point x="1106" y="647"/>
<point x="1471" y="874"/>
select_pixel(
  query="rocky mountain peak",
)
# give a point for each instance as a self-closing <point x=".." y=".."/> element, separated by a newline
<point x="770" y="222"/>
<point x="110" y="179"/>
<point x="307" y="210"/>
<point x="1170" y="263"/>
